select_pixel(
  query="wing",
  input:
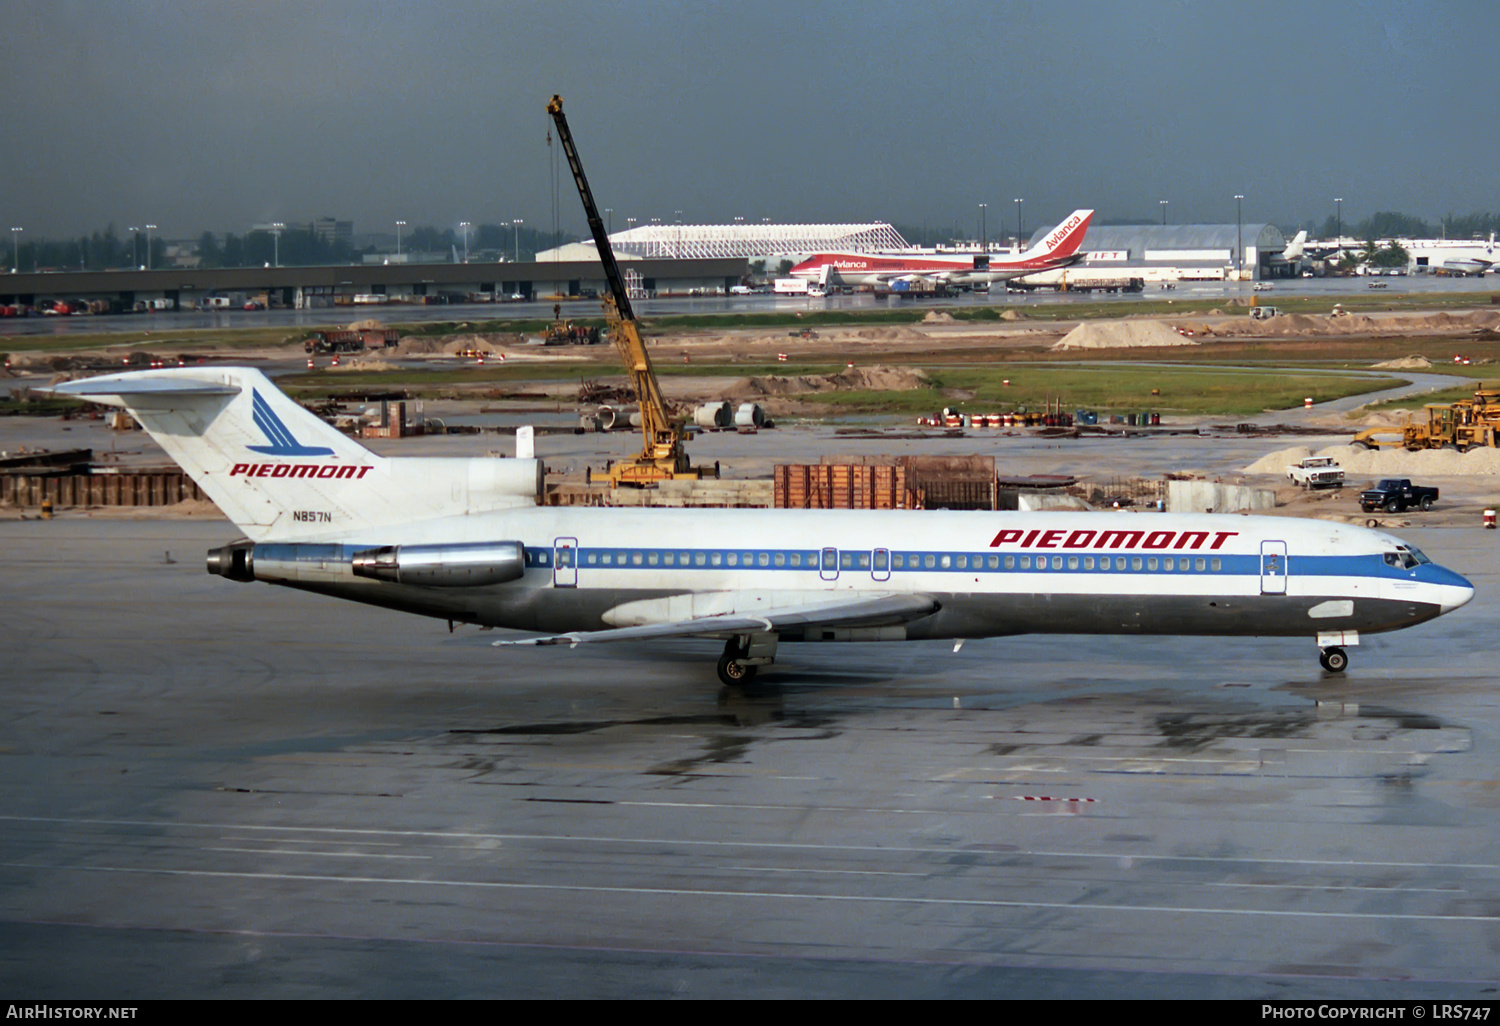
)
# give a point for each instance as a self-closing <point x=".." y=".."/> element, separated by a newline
<point x="885" y="611"/>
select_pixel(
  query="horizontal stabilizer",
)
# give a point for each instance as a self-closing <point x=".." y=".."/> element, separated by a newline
<point x="109" y="387"/>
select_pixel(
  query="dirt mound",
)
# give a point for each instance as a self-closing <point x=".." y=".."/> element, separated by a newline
<point x="1358" y="461"/>
<point x="449" y="345"/>
<point x="1341" y="323"/>
<point x="369" y="362"/>
<point x="455" y="344"/>
<point x="937" y="317"/>
<point x="1122" y="335"/>
<point x="860" y="379"/>
<point x="367" y="325"/>
<point x="1404" y="363"/>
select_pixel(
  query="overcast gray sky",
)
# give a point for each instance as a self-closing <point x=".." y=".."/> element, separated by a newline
<point x="213" y="114"/>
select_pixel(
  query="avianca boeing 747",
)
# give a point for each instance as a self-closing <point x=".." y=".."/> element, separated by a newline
<point x="1062" y="247"/>
<point x="464" y="539"/>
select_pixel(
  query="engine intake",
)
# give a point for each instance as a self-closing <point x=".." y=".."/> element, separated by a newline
<point x="443" y="566"/>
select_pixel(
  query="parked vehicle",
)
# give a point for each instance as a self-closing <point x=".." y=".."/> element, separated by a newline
<point x="1316" y="472"/>
<point x="1396" y="495"/>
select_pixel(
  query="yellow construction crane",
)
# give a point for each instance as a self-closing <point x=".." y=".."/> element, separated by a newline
<point x="663" y="457"/>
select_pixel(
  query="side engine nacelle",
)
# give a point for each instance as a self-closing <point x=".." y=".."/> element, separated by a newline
<point x="443" y="566"/>
<point x="466" y="565"/>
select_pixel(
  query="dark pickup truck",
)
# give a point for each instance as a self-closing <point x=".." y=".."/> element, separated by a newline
<point x="1396" y="495"/>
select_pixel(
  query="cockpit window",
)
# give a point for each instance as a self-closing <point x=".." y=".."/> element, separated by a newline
<point x="1405" y="558"/>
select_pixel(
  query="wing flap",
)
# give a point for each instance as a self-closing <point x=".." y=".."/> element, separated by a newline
<point x="857" y="612"/>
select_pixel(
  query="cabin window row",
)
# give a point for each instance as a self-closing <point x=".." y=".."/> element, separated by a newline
<point x="864" y="559"/>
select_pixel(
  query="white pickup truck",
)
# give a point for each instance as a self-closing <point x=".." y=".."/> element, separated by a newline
<point x="1316" y="472"/>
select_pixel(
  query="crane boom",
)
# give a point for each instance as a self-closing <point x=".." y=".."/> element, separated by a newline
<point x="662" y="456"/>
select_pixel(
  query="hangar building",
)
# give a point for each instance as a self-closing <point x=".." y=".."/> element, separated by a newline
<point x="1186" y="252"/>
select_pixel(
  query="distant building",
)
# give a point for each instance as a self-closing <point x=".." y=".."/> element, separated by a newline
<point x="326" y="229"/>
<point x="333" y="232"/>
<point x="1185" y="252"/>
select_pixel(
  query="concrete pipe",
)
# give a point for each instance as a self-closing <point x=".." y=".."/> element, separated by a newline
<point x="749" y="415"/>
<point x="714" y="415"/>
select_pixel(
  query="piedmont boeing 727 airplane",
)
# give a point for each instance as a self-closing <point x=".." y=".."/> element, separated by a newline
<point x="1061" y="247"/>
<point x="463" y="539"/>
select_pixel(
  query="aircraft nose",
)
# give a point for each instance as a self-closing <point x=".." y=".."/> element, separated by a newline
<point x="1457" y="591"/>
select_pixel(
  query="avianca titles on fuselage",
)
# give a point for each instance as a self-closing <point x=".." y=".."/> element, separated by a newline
<point x="1061" y="247"/>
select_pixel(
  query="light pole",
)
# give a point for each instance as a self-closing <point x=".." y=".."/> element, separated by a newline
<point x="276" y="227"/>
<point x="1018" y="224"/>
<point x="149" y="229"/>
<point x="1339" y="234"/>
<point x="135" y="247"/>
<point x="1239" y="240"/>
<point x="1163" y="212"/>
<point x="516" y="224"/>
<point x="983" y="237"/>
<point x="399" y="225"/>
<point x="464" y="226"/>
<point x="609" y="220"/>
<point x="15" y="235"/>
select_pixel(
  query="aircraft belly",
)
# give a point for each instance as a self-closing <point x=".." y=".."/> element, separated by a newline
<point x="537" y="607"/>
<point x="978" y="616"/>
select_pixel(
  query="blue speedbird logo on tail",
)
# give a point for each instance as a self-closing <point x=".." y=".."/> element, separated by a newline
<point x="279" y="435"/>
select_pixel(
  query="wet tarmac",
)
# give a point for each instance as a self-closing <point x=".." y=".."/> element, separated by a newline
<point x="220" y="790"/>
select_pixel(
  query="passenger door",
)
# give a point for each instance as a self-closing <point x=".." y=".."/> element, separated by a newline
<point x="1273" y="568"/>
<point x="565" y="563"/>
<point x="828" y="569"/>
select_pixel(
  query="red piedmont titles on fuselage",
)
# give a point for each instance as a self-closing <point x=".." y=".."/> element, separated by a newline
<point x="306" y="470"/>
<point x="1111" y="539"/>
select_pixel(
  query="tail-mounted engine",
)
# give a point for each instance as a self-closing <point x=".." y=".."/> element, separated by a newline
<point x="443" y="566"/>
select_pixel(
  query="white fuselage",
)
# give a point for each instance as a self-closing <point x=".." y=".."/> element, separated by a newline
<point x="989" y="573"/>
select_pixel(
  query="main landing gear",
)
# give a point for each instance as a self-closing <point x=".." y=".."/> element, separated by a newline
<point x="732" y="672"/>
<point x="743" y="653"/>
<point x="1334" y="659"/>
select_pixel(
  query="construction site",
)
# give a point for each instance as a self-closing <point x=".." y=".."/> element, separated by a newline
<point x="763" y="439"/>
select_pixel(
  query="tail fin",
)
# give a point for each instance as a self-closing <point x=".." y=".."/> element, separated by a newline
<point x="1062" y="244"/>
<point x="1296" y="247"/>
<point x="280" y="473"/>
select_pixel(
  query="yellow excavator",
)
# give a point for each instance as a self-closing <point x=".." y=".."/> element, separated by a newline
<point x="663" y="457"/>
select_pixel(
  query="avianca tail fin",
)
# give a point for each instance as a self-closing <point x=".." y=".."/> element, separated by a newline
<point x="280" y="473"/>
<point x="1062" y="244"/>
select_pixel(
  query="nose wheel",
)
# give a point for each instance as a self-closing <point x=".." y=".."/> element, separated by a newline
<point x="1334" y="660"/>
